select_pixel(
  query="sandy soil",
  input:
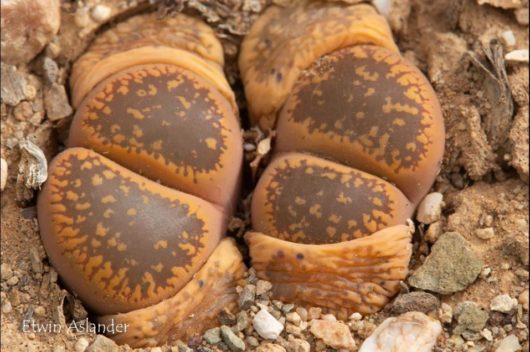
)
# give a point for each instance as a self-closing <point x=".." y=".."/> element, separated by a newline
<point x="484" y="177"/>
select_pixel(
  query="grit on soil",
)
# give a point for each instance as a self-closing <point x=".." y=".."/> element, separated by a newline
<point x="459" y="45"/>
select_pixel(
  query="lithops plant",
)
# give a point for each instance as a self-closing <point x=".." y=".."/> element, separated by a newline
<point x="134" y="211"/>
<point x="360" y="138"/>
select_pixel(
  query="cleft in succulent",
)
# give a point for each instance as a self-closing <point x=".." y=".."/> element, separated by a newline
<point x="134" y="212"/>
<point x="359" y="140"/>
<point x="284" y="42"/>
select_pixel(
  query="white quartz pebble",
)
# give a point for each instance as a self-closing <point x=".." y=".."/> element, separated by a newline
<point x="413" y="329"/>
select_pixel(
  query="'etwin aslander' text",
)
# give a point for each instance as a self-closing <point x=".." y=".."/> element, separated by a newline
<point x="86" y="326"/>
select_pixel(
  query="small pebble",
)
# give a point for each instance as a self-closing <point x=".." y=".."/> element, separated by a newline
<point x="329" y="317"/>
<point x="485" y="233"/>
<point x="433" y="232"/>
<point x="14" y="86"/>
<point x="355" y="316"/>
<point x="486" y="333"/>
<point x="233" y="342"/>
<point x="23" y="111"/>
<point x="212" y="336"/>
<point x="445" y="313"/>
<point x="100" y="13"/>
<point x="298" y="345"/>
<point x="249" y="147"/>
<point x="334" y="334"/>
<point x="264" y="146"/>
<point x="395" y="333"/>
<point x="415" y="301"/>
<point x="247" y="296"/>
<point x="523" y="299"/>
<point x="294" y="318"/>
<point x="487" y="220"/>
<point x="104" y="344"/>
<point x="226" y="318"/>
<point x="252" y="341"/>
<point x="3" y="174"/>
<point x="470" y="316"/>
<point x="286" y="308"/>
<point x="35" y="259"/>
<point x="270" y="347"/>
<point x="262" y="287"/>
<point x="266" y="325"/>
<point x="6" y="307"/>
<point x="485" y="272"/>
<point x="182" y="347"/>
<point x="243" y="320"/>
<point x="12" y="281"/>
<point x="508" y="38"/>
<point x="56" y="102"/>
<point x="81" y="345"/>
<point x="471" y="336"/>
<point x="302" y="312"/>
<point x="430" y="208"/>
<point x="520" y="55"/>
<point x="39" y="311"/>
<point x="314" y="313"/>
<point x="503" y="304"/>
<point x="451" y="266"/>
<point x="509" y="344"/>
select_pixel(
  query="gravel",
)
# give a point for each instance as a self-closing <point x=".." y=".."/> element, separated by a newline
<point x="56" y="102"/>
<point x="247" y="296"/>
<point x="81" y="344"/>
<point x="266" y="325"/>
<point x="415" y="301"/>
<point x="485" y="233"/>
<point x="503" y="304"/>
<point x="451" y="266"/>
<point x="445" y="313"/>
<point x="471" y="317"/>
<point x="103" y="344"/>
<point x="263" y="287"/>
<point x="430" y="208"/>
<point x="233" y="342"/>
<point x="212" y="336"/>
<point x="332" y="333"/>
<point x="14" y="86"/>
<point x="509" y="344"/>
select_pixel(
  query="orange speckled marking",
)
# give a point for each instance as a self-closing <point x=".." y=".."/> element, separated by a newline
<point x="116" y="252"/>
<point x="150" y="94"/>
<point x="193" y="309"/>
<point x="305" y="199"/>
<point x="331" y="80"/>
<point x="179" y="130"/>
<point x="396" y="131"/>
<point x="285" y="41"/>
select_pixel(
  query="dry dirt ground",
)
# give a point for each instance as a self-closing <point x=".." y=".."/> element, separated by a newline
<point x="459" y="45"/>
